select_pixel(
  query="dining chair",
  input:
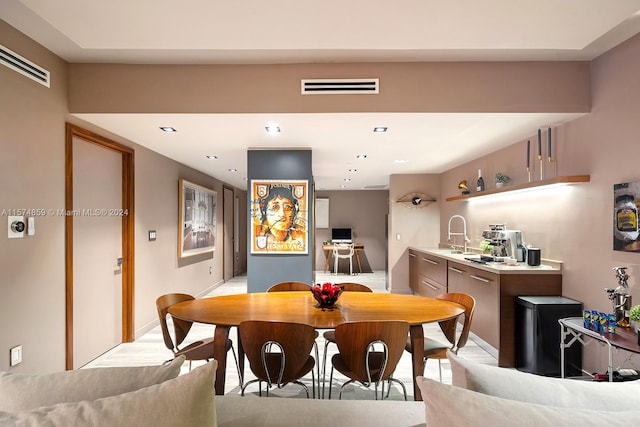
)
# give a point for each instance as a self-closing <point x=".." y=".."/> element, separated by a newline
<point x="295" y="286"/>
<point x="330" y="336"/>
<point x="368" y="352"/>
<point x="279" y="353"/>
<point x="197" y="350"/>
<point x="289" y="286"/>
<point x="434" y="349"/>
<point x="343" y="251"/>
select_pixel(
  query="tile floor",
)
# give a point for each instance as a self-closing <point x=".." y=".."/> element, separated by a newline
<point x="149" y="349"/>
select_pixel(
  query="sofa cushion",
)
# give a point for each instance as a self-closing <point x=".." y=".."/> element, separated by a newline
<point x="19" y="392"/>
<point x="251" y="411"/>
<point x="526" y="387"/>
<point x="448" y="405"/>
<point x="187" y="400"/>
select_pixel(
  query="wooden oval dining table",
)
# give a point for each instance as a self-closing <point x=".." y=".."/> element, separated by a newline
<point x="298" y="306"/>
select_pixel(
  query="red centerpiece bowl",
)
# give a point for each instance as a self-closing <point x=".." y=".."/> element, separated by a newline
<point x="326" y="294"/>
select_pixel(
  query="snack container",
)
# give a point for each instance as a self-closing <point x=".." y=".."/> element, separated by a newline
<point x="595" y="320"/>
<point x="586" y="317"/>
<point x="612" y="323"/>
<point x="604" y="323"/>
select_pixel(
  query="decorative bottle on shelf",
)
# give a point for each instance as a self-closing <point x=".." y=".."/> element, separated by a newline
<point x="480" y="183"/>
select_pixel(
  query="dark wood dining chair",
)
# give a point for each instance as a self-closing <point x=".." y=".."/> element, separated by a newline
<point x="279" y="353"/>
<point x="330" y="336"/>
<point x="290" y="286"/>
<point x="434" y="349"/>
<point x="368" y="352"/>
<point x="197" y="350"/>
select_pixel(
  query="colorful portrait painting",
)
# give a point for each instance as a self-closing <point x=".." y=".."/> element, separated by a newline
<point x="279" y="217"/>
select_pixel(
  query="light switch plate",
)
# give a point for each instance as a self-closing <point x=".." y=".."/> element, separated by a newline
<point x="15" y="355"/>
<point x="31" y="226"/>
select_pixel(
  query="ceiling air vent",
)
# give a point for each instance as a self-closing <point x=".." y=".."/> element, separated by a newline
<point x="24" y="66"/>
<point x="375" y="187"/>
<point x="335" y="86"/>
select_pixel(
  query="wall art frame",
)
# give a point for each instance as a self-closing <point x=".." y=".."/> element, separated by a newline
<point x="279" y="215"/>
<point x="196" y="219"/>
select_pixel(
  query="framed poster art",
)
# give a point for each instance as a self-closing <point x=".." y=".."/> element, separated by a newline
<point x="197" y="219"/>
<point x="279" y="217"/>
<point x="626" y="198"/>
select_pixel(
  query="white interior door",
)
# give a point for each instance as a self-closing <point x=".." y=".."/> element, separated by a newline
<point x="97" y="246"/>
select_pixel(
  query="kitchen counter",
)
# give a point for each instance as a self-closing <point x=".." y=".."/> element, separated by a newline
<point x="548" y="266"/>
<point x="494" y="285"/>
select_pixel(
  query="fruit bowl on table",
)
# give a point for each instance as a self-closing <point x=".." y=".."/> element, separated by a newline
<point x="326" y="294"/>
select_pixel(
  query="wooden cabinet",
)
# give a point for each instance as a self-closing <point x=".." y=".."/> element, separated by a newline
<point x="494" y="290"/>
<point x="483" y="286"/>
<point x="427" y="274"/>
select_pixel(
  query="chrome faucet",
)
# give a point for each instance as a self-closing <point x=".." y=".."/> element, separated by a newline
<point x="464" y="232"/>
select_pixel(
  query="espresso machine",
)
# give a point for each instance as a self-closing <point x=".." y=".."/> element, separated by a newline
<point x="505" y="243"/>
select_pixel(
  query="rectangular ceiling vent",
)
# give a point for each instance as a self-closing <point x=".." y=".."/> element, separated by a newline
<point x="337" y="86"/>
<point x="375" y="187"/>
<point x="24" y="66"/>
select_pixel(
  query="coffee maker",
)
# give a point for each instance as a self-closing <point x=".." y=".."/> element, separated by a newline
<point x="505" y="243"/>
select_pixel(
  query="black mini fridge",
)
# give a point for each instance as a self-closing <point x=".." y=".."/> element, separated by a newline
<point x="538" y="335"/>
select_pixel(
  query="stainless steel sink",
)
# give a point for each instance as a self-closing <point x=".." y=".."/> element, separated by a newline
<point x="452" y="251"/>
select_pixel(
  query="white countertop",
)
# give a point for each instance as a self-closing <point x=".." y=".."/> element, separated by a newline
<point x="547" y="266"/>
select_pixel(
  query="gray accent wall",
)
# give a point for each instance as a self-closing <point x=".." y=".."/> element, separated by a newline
<point x="264" y="270"/>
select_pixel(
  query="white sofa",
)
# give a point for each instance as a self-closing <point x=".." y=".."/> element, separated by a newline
<point x="156" y="396"/>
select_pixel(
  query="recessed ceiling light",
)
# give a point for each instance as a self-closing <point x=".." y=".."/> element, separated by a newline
<point x="233" y="170"/>
<point x="361" y="156"/>
<point x="353" y="170"/>
<point x="212" y="157"/>
<point x="400" y="161"/>
<point x="347" y="179"/>
<point x="272" y="129"/>
<point x="168" y="129"/>
<point x="380" y="129"/>
<point x="343" y="186"/>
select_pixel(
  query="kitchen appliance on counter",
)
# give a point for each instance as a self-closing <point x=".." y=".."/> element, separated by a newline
<point x="505" y="243"/>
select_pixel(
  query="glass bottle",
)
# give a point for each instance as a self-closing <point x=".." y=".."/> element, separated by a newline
<point x="480" y="183"/>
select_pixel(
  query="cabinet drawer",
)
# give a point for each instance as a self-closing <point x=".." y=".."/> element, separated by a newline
<point x="429" y="288"/>
<point x="433" y="268"/>
<point x="483" y="286"/>
<point x="456" y="276"/>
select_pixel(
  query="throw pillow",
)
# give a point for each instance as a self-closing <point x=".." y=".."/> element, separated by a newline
<point x="19" y="392"/>
<point x="447" y="405"/>
<point x="187" y="400"/>
<point x="525" y="387"/>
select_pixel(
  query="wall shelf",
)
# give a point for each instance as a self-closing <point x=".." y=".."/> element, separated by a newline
<point x="575" y="179"/>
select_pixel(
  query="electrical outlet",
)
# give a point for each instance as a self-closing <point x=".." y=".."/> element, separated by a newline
<point x="15" y="355"/>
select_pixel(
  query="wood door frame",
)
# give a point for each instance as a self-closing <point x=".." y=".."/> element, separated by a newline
<point x="128" y="242"/>
<point x="233" y="238"/>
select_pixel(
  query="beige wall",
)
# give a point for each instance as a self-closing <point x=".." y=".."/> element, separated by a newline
<point x="410" y="227"/>
<point x="32" y="273"/>
<point x="404" y="87"/>
<point x="32" y="119"/>
<point x="364" y="212"/>
<point x="572" y="224"/>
